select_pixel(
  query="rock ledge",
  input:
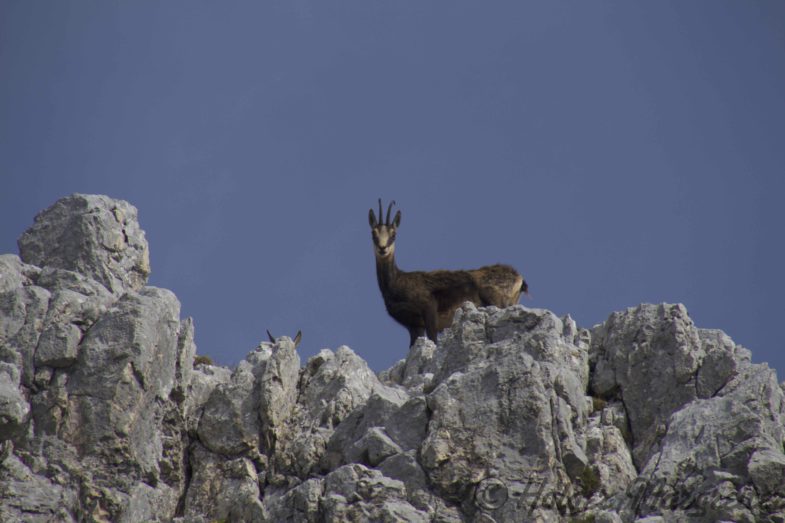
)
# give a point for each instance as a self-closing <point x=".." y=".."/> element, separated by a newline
<point x="517" y="414"/>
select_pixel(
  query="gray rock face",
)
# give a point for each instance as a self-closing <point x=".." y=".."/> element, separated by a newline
<point x="95" y="236"/>
<point x="14" y="409"/>
<point x="516" y="415"/>
<point x="89" y="360"/>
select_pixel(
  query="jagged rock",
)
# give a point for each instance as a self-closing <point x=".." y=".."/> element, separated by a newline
<point x="14" y="409"/>
<point x="95" y="236"/>
<point x="15" y="274"/>
<point x="510" y="405"/>
<point x="57" y="345"/>
<point x="658" y="345"/>
<point x="222" y="488"/>
<point x="405" y="467"/>
<point x="22" y="311"/>
<point x="301" y="503"/>
<point x="416" y="372"/>
<point x="204" y="380"/>
<point x="32" y="497"/>
<point x="126" y="369"/>
<point x="516" y="415"/>
<point x="230" y="423"/>
<point x="607" y="451"/>
<point x="277" y="374"/>
<point x="104" y="439"/>
<point x="767" y="471"/>
<point x="710" y="420"/>
<point x="357" y="493"/>
<point x="723" y="456"/>
<point x="331" y="386"/>
<point x="390" y="422"/>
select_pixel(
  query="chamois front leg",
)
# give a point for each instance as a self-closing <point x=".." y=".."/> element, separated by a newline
<point x="431" y="319"/>
<point x="414" y="333"/>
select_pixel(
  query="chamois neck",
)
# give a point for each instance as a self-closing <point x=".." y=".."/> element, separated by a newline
<point x="386" y="271"/>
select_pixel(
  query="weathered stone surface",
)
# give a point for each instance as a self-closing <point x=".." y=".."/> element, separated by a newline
<point x="57" y="346"/>
<point x="708" y="426"/>
<point x="390" y="420"/>
<point x="655" y="345"/>
<point x="230" y="423"/>
<point x="277" y="371"/>
<point x="516" y="415"/>
<point x="15" y="274"/>
<point x="27" y="496"/>
<point x="222" y="488"/>
<point x="509" y="406"/>
<point x="14" y="408"/>
<point x="331" y="386"/>
<point x="301" y="503"/>
<point x="93" y="235"/>
<point x="607" y="450"/>
<point x="22" y="313"/>
<point x="204" y="380"/>
<point x="357" y="493"/>
<point x="96" y="432"/>
<point x="126" y="369"/>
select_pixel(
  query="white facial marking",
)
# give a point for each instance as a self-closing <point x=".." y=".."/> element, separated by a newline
<point x="384" y="240"/>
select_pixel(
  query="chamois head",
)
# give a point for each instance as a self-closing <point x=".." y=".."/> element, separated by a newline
<point x="384" y="233"/>
<point x="297" y="338"/>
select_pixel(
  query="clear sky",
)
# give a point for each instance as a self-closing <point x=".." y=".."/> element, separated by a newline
<point x="614" y="152"/>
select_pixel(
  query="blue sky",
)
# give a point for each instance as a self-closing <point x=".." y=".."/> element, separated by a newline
<point x="614" y="152"/>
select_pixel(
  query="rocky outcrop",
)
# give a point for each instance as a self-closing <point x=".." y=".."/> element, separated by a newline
<point x="517" y="414"/>
<point x="90" y="235"/>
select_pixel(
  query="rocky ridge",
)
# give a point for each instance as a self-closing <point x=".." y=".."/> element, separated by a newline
<point x="517" y="414"/>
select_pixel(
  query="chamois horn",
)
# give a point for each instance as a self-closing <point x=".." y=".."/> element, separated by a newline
<point x="389" y="208"/>
<point x="380" y="210"/>
<point x="297" y="338"/>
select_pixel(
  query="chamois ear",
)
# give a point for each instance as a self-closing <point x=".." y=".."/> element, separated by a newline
<point x="298" y="338"/>
<point x="397" y="219"/>
<point x="371" y="218"/>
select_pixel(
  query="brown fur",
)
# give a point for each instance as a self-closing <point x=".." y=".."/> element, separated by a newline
<point x="425" y="302"/>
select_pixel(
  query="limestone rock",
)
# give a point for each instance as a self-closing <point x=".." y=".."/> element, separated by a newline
<point x="14" y="408"/>
<point x="509" y="407"/>
<point x="331" y="386"/>
<point x="204" y="380"/>
<point x="15" y="274"/>
<point x="301" y="503"/>
<point x="277" y="375"/>
<point x="357" y="493"/>
<point x="27" y="496"/>
<point x="709" y="435"/>
<point x="23" y="311"/>
<point x="389" y="423"/>
<point x="92" y="235"/>
<point x="126" y="368"/>
<point x="222" y="488"/>
<point x="230" y="425"/>
<point x="656" y="345"/>
<point x="515" y="415"/>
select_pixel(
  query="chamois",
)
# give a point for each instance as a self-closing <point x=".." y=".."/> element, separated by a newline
<point x="296" y="340"/>
<point x="425" y="302"/>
